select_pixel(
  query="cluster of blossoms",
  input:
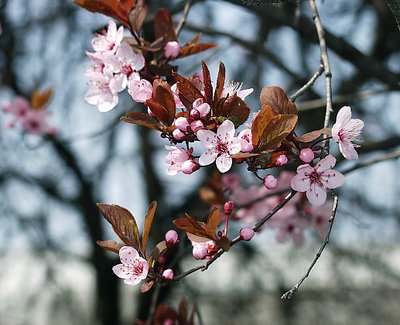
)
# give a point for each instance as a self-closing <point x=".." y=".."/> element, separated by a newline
<point x="33" y="120"/>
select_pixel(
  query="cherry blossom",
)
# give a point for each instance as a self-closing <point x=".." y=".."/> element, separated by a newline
<point x="219" y="146"/>
<point x="246" y="233"/>
<point x="246" y="140"/>
<point x="171" y="238"/>
<point x="171" y="49"/>
<point x="176" y="158"/>
<point x="270" y="182"/>
<point x="306" y="155"/>
<point x="315" y="181"/>
<point x="110" y="40"/>
<point x="345" y="131"/>
<point x="140" y="90"/>
<point x="133" y="268"/>
<point x="202" y="247"/>
<point x="291" y="227"/>
<point x="236" y="87"/>
<point x="168" y="274"/>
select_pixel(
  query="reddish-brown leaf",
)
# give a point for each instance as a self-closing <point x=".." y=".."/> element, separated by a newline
<point x="188" y="93"/>
<point x="195" y="48"/>
<point x="220" y="82"/>
<point x="117" y="9"/>
<point x="212" y="222"/>
<point x="235" y="109"/>
<point x="142" y="119"/>
<point x="260" y="122"/>
<point x="40" y="99"/>
<point x="123" y="223"/>
<point x="277" y="99"/>
<point x="146" y="286"/>
<point x="159" y="111"/>
<point x="191" y="225"/>
<point x="162" y="94"/>
<point x="208" y="89"/>
<point x="183" y="311"/>
<point x="164" y="26"/>
<point x="164" y="314"/>
<point x="148" y="220"/>
<point x="138" y="15"/>
<point x="224" y="243"/>
<point x="311" y="136"/>
<point x="270" y="161"/>
<point x="159" y="250"/>
<point x="110" y="245"/>
<point x="276" y="131"/>
<point x="244" y="155"/>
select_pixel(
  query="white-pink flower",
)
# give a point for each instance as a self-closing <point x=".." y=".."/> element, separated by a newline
<point x="345" y="131"/>
<point x="140" y="90"/>
<point x="176" y="158"/>
<point x="245" y="137"/>
<point x="110" y="40"/>
<point x="315" y="181"/>
<point x="220" y="146"/>
<point x="133" y="268"/>
<point x="236" y="87"/>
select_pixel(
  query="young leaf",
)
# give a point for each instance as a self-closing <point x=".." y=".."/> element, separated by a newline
<point x="276" y="131"/>
<point x="191" y="225"/>
<point x="224" y="243"/>
<point x="277" y="99"/>
<point x="118" y="10"/>
<point x="235" y="109"/>
<point x="110" y="245"/>
<point x="195" y="48"/>
<point x="163" y="96"/>
<point x="164" y="26"/>
<point x="244" y="155"/>
<point x="148" y="220"/>
<point x="208" y="89"/>
<point x="138" y="15"/>
<point x="40" y="100"/>
<point x="142" y="119"/>
<point x="220" y="82"/>
<point x="159" y="111"/>
<point x="260" y="122"/>
<point x="123" y="223"/>
<point x="146" y="286"/>
<point x="159" y="250"/>
<point x="188" y="93"/>
<point x="213" y="221"/>
<point x="311" y="136"/>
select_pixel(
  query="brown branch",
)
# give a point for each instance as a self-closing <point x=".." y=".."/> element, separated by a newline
<point x="182" y="22"/>
<point x="309" y="83"/>
<point x="289" y="294"/>
<point x="327" y="69"/>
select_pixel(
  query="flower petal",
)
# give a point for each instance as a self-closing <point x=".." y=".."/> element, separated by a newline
<point x="207" y="157"/>
<point x="316" y="195"/>
<point x="224" y="163"/>
<point x="324" y="164"/>
<point x="207" y="138"/>
<point x="343" y="116"/>
<point x="134" y="280"/>
<point x="332" y="179"/>
<point x="347" y="150"/>
<point x="226" y="131"/>
<point x="128" y="254"/>
<point x="234" y="146"/>
<point x="300" y="183"/>
<point x="122" y="271"/>
<point x="304" y="169"/>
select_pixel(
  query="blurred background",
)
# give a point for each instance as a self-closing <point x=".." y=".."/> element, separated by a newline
<point x="52" y="271"/>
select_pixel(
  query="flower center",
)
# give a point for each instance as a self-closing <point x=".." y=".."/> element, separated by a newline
<point x="315" y="177"/>
<point x="222" y="147"/>
<point x="137" y="268"/>
<point x="127" y="70"/>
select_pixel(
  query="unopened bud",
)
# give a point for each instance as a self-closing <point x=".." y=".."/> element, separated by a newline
<point x="204" y="109"/>
<point x="171" y="237"/>
<point x="194" y="114"/>
<point x="228" y="207"/>
<point x="168" y="274"/>
<point x="246" y="233"/>
<point x="172" y="49"/>
<point x="306" y="155"/>
<point x="182" y="123"/>
<point x="270" y="182"/>
<point x="281" y="160"/>
<point x="178" y="134"/>
<point x="199" y="252"/>
<point x="189" y="167"/>
<point x="196" y="126"/>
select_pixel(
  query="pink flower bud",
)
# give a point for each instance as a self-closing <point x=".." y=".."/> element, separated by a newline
<point x="281" y="160"/>
<point x="171" y="237"/>
<point x="169" y="322"/>
<point x="196" y="126"/>
<point x="306" y="155"/>
<point x="178" y="134"/>
<point x="168" y="274"/>
<point x="6" y="107"/>
<point x="246" y="233"/>
<point x="182" y="123"/>
<point x="189" y="167"/>
<point x="270" y="182"/>
<point x="171" y="49"/>
<point x="203" y="109"/>
<point x="199" y="252"/>
<point x="197" y="103"/>
<point x="228" y="207"/>
<point x="194" y="114"/>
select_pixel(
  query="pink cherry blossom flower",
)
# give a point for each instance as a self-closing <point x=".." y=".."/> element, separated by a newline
<point x="236" y="87"/>
<point x="291" y="227"/>
<point x="140" y="90"/>
<point x="306" y="155"/>
<point x="320" y="218"/>
<point x="230" y="181"/>
<point x="246" y="233"/>
<point x="176" y="157"/>
<point x="109" y="41"/>
<point x="270" y="182"/>
<point x="35" y="122"/>
<point x="189" y="167"/>
<point x="203" y="248"/>
<point x="171" y="238"/>
<point x="171" y="49"/>
<point x="246" y="140"/>
<point x="19" y="108"/>
<point x="200" y="108"/>
<point x="175" y="92"/>
<point x="219" y="146"/>
<point x="281" y="160"/>
<point x="315" y="181"/>
<point x="168" y="274"/>
<point x="133" y="268"/>
<point x="345" y="131"/>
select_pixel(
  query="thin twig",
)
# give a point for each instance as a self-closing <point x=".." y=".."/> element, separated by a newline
<point x="309" y="83"/>
<point x="327" y="69"/>
<point x="289" y="294"/>
<point x="154" y="299"/>
<point x="366" y="163"/>
<point x="182" y="22"/>
<point x="237" y="239"/>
